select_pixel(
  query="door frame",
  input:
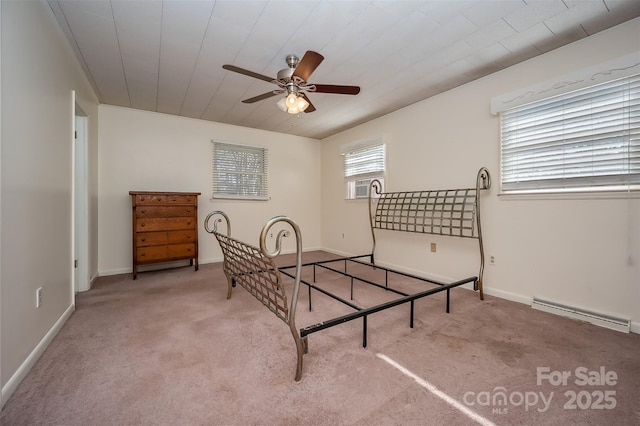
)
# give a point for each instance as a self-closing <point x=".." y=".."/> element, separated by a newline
<point x="80" y="213"/>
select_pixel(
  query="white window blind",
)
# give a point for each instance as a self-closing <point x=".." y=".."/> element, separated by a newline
<point x="364" y="162"/>
<point x="589" y="138"/>
<point x="239" y="171"/>
<point x="361" y="165"/>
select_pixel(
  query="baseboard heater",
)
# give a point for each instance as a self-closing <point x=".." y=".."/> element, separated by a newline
<point x="618" y="324"/>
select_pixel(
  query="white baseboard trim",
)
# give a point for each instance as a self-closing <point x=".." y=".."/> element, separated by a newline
<point x="12" y="384"/>
<point x="147" y="268"/>
<point x="92" y="281"/>
<point x="212" y="260"/>
<point x="110" y="272"/>
<point x="514" y="297"/>
<point x="337" y="252"/>
<point x="635" y="327"/>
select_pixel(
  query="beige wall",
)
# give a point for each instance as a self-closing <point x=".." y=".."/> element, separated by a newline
<point x="39" y="72"/>
<point x="147" y="151"/>
<point x="574" y="251"/>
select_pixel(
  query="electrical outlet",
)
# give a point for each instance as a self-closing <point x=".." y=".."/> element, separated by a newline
<point x="343" y="235"/>
<point x="38" y="297"/>
<point x="433" y="247"/>
<point x="492" y="260"/>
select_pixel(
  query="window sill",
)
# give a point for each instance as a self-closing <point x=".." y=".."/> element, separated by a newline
<point x="565" y="194"/>
<point x="237" y="198"/>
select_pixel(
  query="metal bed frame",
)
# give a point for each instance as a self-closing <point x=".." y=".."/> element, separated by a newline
<point x="445" y="212"/>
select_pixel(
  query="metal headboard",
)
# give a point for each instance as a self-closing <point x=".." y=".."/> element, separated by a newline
<point x="450" y="212"/>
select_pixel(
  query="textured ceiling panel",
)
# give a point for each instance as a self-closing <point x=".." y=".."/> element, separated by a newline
<point x="167" y="55"/>
<point x="141" y="53"/>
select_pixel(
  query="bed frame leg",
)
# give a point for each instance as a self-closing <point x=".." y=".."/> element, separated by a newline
<point x="230" y="284"/>
<point x="364" y="331"/>
<point x="351" y="288"/>
<point x="302" y="347"/>
<point x="411" y="319"/>
<point x="448" y="291"/>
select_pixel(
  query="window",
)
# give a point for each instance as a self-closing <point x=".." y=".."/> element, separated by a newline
<point x="361" y="166"/>
<point x="239" y="171"/>
<point x="587" y="139"/>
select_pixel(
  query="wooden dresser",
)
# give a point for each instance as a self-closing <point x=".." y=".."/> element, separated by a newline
<point x="165" y="227"/>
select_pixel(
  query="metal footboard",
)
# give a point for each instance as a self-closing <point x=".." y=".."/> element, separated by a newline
<point x="254" y="269"/>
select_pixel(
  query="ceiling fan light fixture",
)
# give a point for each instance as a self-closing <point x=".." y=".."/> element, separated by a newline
<point x="302" y="103"/>
<point x="293" y="104"/>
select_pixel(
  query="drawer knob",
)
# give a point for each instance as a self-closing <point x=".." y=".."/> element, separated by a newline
<point x="142" y="254"/>
<point x="142" y="224"/>
<point x="143" y="239"/>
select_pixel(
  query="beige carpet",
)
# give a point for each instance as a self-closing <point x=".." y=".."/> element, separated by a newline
<point x="169" y="349"/>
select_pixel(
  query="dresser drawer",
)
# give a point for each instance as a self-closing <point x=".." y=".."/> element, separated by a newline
<point x="152" y="254"/>
<point x="177" y="237"/>
<point x="165" y="224"/>
<point x="155" y="199"/>
<point x="181" y="250"/>
<point x="144" y="239"/>
<point x="164" y="211"/>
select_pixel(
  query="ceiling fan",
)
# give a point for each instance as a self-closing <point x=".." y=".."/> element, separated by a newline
<point x="293" y="81"/>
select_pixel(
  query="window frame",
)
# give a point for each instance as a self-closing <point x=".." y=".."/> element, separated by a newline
<point x="242" y="188"/>
<point x="361" y="170"/>
<point x="585" y="148"/>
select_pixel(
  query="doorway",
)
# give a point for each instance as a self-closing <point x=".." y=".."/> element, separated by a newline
<point x="80" y="203"/>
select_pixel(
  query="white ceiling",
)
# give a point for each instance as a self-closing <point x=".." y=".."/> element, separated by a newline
<point x="167" y="56"/>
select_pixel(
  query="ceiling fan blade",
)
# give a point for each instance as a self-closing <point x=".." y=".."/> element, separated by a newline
<point x="308" y="64"/>
<point x="310" y="108"/>
<point x="249" y="73"/>
<point x="262" y="97"/>
<point x="333" y="88"/>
